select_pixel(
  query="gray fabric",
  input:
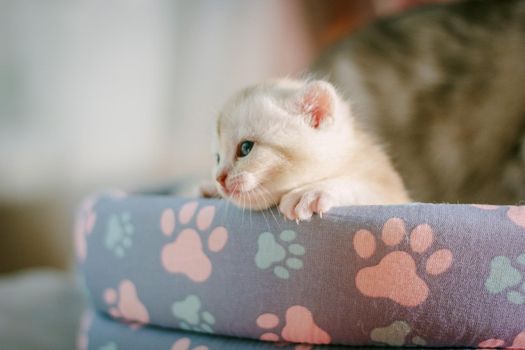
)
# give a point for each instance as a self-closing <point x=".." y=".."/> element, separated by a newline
<point x="106" y="334"/>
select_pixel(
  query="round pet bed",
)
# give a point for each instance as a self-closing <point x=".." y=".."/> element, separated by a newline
<point x="166" y="269"/>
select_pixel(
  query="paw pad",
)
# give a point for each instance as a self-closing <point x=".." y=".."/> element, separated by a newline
<point x="505" y="278"/>
<point x="283" y="255"/>
<point x="109" y="346"/>
<point x="126" y="304"/>
<point x="186" y="254"/>
<point x="185" y="343"/>
<point x="518" y="343"/>
<point x="517" y="215"/>
<point x="396" y="276"/>
<point x="119" y="234"/>
<point x="188" y="312"/>
<point x="395" y="334"/>
<point x="84" y="226"/>
<point x="299" y="327"/>
<point x="82" y="341"/>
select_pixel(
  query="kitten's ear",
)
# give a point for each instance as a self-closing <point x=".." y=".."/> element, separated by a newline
<point x="316" y="102"/>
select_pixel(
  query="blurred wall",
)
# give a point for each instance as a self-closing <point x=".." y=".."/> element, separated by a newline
<point x="119" y="93"/>
<point x="98" y="93"/>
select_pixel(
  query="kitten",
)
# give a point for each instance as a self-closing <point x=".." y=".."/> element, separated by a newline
<point x="296" y="144"/>
<point x="443" y="87"/>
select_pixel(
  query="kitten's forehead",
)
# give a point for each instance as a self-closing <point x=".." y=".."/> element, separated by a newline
<point x="246" y="118"/>
<point x="259" y="104"/>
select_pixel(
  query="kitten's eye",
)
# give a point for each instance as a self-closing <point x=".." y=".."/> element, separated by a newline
<point x="244" y="148"/>
<point x="218" y="158"/>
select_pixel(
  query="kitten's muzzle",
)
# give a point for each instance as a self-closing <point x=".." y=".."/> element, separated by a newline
<point x="231" y="185"/>
<point x="221" y="179"/>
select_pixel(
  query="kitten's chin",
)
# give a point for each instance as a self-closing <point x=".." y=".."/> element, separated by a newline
<point x="250" y="200"/>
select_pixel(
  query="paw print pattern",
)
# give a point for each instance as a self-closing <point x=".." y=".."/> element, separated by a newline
<point x="518" y="343"/>
<point x="109" y="346"/>
<point x="188" y="312"/>
<point x="517" y="215"/>
<point x="85" y="325"/>
<point x="185" y="343"/>
<point x="514" y="213"/>
<point x="84" y="226"/>
<point x="396" y="276"/>
<point x="125" y="304"/>
<point x="119" y="233"/>
<point x="86" y="219"/>
<point x="299" y="327"/>
<point x="395" y="334"/>
<point x="303" y="347"/>
<point x="272" y="253"/>
<point x="507" y="279"/>
<point x="185" y="255"/>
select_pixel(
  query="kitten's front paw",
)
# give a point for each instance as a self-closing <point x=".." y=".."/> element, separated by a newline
<point x="301" y="204"/>
<point x="208" y="190"/>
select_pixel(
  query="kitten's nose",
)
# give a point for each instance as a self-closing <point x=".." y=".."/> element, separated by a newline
<point x="221" y="178"/>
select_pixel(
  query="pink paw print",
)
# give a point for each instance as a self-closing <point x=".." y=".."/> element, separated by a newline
<point x="84" y="226"/>
<point x="517" y="215"/>
<point x="185" y="343"/>
<point x="396" y="277"/>
<point x="85" y="325"/>
<point x="518" y="343"/>
<point x="86" y="219"/>
<point x="125" y="304"/>
<point x="299" y="327"/>
<point x="514" y="213"/>
<point x="185" y="255"/>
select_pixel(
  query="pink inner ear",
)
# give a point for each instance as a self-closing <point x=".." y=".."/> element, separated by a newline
<point x="316" y="102"/>
<point x="319" y="112"/>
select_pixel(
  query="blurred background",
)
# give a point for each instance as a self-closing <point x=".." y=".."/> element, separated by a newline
<point x="124" y="93"/>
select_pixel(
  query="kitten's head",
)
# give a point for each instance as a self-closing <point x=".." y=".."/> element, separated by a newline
<point x="273" y="137"/>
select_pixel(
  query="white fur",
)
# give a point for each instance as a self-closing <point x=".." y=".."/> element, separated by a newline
<point x="304" y="169"/>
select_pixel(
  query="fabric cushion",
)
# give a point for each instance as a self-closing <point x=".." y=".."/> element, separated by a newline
<point x="405" y="275"/>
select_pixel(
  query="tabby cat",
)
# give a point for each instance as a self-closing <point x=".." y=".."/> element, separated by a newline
<point x="443" y="87"/>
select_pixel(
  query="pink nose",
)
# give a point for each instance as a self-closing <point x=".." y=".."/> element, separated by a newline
<point x="221" y="178"/>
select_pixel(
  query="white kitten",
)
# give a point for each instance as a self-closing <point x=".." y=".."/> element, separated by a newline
<point x="295" y="143"/>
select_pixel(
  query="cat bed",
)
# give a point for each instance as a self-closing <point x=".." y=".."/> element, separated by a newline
<point x="167" y="272"/>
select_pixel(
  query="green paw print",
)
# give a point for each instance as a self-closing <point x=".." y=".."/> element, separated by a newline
<point x="109" y="346"/>
<point x="282" y="255"/>
<point x="504" y="277"/>
<point x="190" y="316"/>
<point x="119" y="233"/>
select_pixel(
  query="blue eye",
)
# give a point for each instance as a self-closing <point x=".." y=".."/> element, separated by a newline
<point x="244" y="148"/>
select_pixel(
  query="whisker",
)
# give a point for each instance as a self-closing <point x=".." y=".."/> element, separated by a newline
<point x="227" y="199"/>
<point x="264" y="189"/>
<point x="243" y="207"/>
<point x="264" y="215"/>
<point x="225" y="212"/>
<point x="250" y="210"/>
<point x="250" y="196"/>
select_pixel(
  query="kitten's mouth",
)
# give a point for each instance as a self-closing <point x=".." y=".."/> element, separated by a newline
<point x="241" y="196"/>
<point x="238" y="189"/>
<point x="254" y="198"/>
<point x="235" y="192"/>
<point x="239" y="193"/>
